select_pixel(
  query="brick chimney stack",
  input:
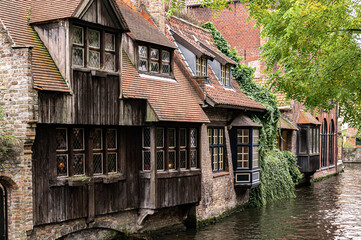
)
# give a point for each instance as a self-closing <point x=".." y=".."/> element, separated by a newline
<point x="156" y="10"/>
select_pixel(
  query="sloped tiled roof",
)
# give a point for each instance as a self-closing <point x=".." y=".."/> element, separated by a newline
<point x="14" y="14"/>
<point x="141" y="29"/>
<point x="307" y="118"/>
<point x="283" y="123"/>
<point x="171" y="100"/>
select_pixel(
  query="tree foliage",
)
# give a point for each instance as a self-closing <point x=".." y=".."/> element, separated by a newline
<point x="312" y="52"/>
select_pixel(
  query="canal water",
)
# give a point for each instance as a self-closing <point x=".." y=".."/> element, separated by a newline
<point x="330" y="209"/>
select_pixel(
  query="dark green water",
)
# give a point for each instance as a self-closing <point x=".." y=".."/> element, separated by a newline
<point x="330" y="209"/>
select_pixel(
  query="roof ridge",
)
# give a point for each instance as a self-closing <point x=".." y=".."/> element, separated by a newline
<point x="191" y="24"/>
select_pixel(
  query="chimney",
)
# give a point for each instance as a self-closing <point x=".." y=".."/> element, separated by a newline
<point x="156" y="10"/>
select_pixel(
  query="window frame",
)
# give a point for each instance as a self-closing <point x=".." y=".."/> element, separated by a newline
<point x="250" y="145"/>
<point x="211" y="130"/>
<point x="226" y="76"/>
<point x="201" y="66"/>
<point x="160" y="60"/>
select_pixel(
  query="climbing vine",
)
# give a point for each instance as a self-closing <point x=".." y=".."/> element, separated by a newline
<point x="279" y="170"/>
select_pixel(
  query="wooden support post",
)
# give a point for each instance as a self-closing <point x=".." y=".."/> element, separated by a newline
<point x="153" y="167"/>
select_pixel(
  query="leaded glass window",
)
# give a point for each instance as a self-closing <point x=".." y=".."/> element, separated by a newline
<point x="79" y="165"/>
<point x="143" y="58"/>
<point x="112" y="162"/>
<point x="160" y="149"/>
<point x="154" y="58"/>
<point x="94" y="39"/>
<point x="165" y="62"/>
<point x="109" y="42"/>
<point x="146" y="149"/>
<point x="62" y="165"/>
<point x="78" y="139"/>
<point x="62" y="160"/>
<point x="98" y="163"/>
<point x="78" y="35"/>
<point x="94" y="59"/>
<point x="78" y="56"/>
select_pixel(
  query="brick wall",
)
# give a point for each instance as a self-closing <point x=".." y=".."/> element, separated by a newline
<point x="20" y="107"/>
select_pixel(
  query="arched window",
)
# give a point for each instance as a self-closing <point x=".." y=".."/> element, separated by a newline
<point x="324" y="144"/>
<point x="3" y="213"/>
<point x="331" y="143"/>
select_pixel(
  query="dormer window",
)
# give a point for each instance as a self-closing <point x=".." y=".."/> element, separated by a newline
<point x="225" y="75"/>
<point x="154" y="60"/>
<point x="93" y="48"/>
<point x="202" y="67"/>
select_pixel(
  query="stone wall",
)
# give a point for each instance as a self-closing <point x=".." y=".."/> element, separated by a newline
<point x="155" y="8"/>
<point x="19" y="101"/>
<point x="351" y="155"/>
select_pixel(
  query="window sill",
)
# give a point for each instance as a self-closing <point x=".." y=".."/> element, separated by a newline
<point x="220" y="174"/>
<point x="77" y="181"/>
<point x="96" y="72"/>
<point x="179" y="173"/>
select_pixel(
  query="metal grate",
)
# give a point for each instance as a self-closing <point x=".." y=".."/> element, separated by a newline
<point x="98" y="139"/>
<point x="172" y="162"/>
<point x="143" y="65"/>
<point x="109" y="42"/>
<point x="78" y="139"/>
<point x="78" y="35"/>
<point x="79" y="165"/>
<point x="194" y="162"/>
<point x="146" y="160"/>
<point x="146" y="137"/>
<point x="109" y="62"/>
<point x="143" y="52"/>
<point x="154" y="54"/>
<point x="183" y="159"/>
<point x="94" y="59"/>
<point x="112" y="162"/>
<point x="193" y="137"/>
<point x="112" y="139"/>
<point x="78" y="56"/>
<point x="154" y="67"/>
<point x="62" y="165"/>
<point x="61" y="139"/>
<point x="165" y="68"/>
<point x="94" y="38"/>
<point x="98" y="163"/>
<point x="160" y="160"/>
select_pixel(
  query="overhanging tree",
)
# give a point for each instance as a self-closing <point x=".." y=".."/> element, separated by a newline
<point x="312" y="53"/>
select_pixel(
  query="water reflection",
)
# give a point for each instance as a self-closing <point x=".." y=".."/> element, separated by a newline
<point x="330" y="209"/>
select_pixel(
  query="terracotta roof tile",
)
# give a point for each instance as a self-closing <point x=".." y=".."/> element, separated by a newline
<point x="283" y="123"/>
<point x="307" y="118"/>
<point x="171" y="100"/>
<point x="14" y="15"/>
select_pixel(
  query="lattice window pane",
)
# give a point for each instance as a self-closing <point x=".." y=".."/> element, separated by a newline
<point x="215" y="136"/>
<point x="165" y="68"/>
<point x="183" y="159"/>
<point x="160" y="137"/>
<point x="255" y="136"/>
<point x="171" y="137"/>
<point x="160" y="160"/>
<point x="143" y="52"/>
<point x="98" y="139"/>
<point x="221" y="158"/>
<point x="255" y="155"/>
<point x="94" y="38"/>
<point x="109" y="62"/>
<point x="194" y="159"/>
<point x="242" y="136"/>
<point x="78" y="56"/>
<point x="94" y="59"/>
<point x="215" y="159"/>
<point x="112" y="162"/>
<point x="172" y="160"/>
<point x="165" y="56"/>
<point x="146" y="137"/>
<point x="221" y="136"/>
<point x="154" y="67"/>
<point x="109" y="42"/>
<point x="194" y="137"/>
<point x="78" y="35"/>
<point x="183" y="137"/>
<point x="61" y="139"/>
<point x="143" y="65"/>
<point x="98" y="163"/>
<point x="79" y="164"/>
<point x="242" y="157"/>
<point x="146" y="160"/>
<point x="111" y="138"/>
<point x="154" y="54"/>
<point x="210" y="137"/>
<point x="62" y="165"/>
<point x="78" y="139"/>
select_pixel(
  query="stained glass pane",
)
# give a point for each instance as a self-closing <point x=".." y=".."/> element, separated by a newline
<point x="111" y="139"/>
<point x="109" y="62"/>
<point x="165" y="68"/>
<point x="154" y="67"/>
<point x="160" y="160"/>
<point x="160" y="137"/>
<point x="78" y="56"/>
<point x="78" y="139"/>
<point x="146" y="137"/>
<point x="143" y="52"/>
<point x="109" y="42"/>
<point x="193" y="137"/>
<point x="194" y="159"/>
<point x="94" y="59"/>
<point x="98" y="163"/>
<point x="61" y="139"/>
<point x="112" y="162"/>
<point x="94" y="38"/>
<point x="146" y="160"/>
<point x="98" y="139"/>
<point x="172" y="162"/>
<point x="183" y="159"/>
<point x="78" y="35"/>
<point x="154" y="54"/>
<point x="242" y="136"/>
<point x="62" y="165"/>
<point x="171" y="137"/>
<point x="79" y="165"/>
<point x="143" y="65"/>
<point x="165" y="56"/>
<point x="183" y="137"/>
